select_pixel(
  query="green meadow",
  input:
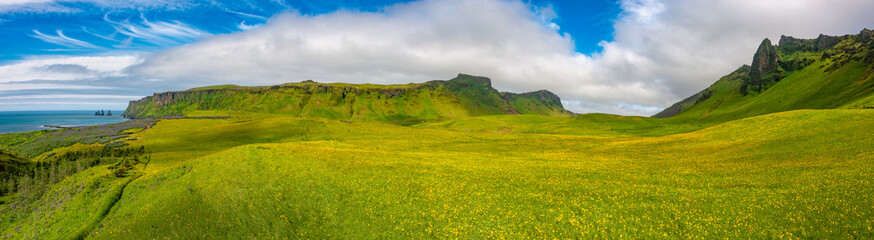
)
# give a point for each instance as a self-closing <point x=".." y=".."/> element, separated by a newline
<point x="781" y="149"/>
<point x="796" y="174"/>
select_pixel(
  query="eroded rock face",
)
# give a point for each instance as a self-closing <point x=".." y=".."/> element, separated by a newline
<point x="824" y="42"/>
<point x="764" y="68"/>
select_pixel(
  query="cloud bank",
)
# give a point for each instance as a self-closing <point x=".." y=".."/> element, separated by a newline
<point x="662" y="52"/>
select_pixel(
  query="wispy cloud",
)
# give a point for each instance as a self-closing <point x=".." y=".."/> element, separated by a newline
<point x="55" y="104"/>
<point x="69" y="96"/>
<point x="63" y="40"/>
<point x="243" y="26"/>
<point x="22" y="2"/>
<point x="6" y="87"/>
<point x="248" y="15"/>
<point x="157" y="33"/>
<point x="71" y="6"/>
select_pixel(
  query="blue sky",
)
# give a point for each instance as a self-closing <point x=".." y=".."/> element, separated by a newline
<point x="28" y="33"/>
<point x="625" y="57"/>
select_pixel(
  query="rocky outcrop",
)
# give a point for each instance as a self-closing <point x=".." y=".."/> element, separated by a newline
<point x="825" y="42"/>
<point x="764" y="70"/>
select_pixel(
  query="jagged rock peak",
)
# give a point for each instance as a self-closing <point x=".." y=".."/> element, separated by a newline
<point x="865" y="34"/>
<point x="765" y="59"/>
<point x="824" y="42"/>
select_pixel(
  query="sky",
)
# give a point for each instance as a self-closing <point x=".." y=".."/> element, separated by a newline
<point x="628" y="57"/>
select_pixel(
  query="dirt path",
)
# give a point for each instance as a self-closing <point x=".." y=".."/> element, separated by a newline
<point x="109" y="202"/>
<point x="145" y="124"/>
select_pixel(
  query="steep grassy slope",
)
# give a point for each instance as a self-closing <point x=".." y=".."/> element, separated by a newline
<point x="462" y="96"/>
<point x="11" y="163"/>
<point x="827" y="72"/>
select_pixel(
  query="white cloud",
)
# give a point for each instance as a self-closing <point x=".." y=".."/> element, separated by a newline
<point x="66" y="68"/>
<point x="641" y="10"/>
<point x="411" y="42"/>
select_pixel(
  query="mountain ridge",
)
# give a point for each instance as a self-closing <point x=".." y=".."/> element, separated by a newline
<point x="824" y="72"/>
<point x="463" y="96"/>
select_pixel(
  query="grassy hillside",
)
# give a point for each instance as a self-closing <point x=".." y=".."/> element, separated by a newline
<point x="329" y="161"/>
<point x="822" y="73"/>
<point x="594" y="124"/>
<point x="462" y="96"/>
<point x="11" y="163"/>
<point x="277" y="177"/>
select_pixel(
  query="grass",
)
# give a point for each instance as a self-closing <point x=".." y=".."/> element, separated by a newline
<point x="587" y="124"/>
<point x="65" y="209"/>
<point x="798" y="174"/>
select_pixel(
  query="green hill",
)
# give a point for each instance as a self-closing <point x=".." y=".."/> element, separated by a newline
<point x="822" y="73"/>
<point x="462" y="96"/>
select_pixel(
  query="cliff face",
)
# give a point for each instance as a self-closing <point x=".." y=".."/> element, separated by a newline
<point x="462" y="96"/>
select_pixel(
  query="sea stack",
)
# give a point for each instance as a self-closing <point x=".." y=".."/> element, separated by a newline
<point x="108" y="112"/>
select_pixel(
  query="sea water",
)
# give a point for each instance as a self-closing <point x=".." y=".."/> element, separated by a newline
<point x="23" y="121"/>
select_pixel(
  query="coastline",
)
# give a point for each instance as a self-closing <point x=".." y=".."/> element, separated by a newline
<point x="25" y="121"/>
<point x="63" y="127"/>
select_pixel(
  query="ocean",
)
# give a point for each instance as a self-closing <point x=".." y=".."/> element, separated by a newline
<point x="23" y="121"/>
